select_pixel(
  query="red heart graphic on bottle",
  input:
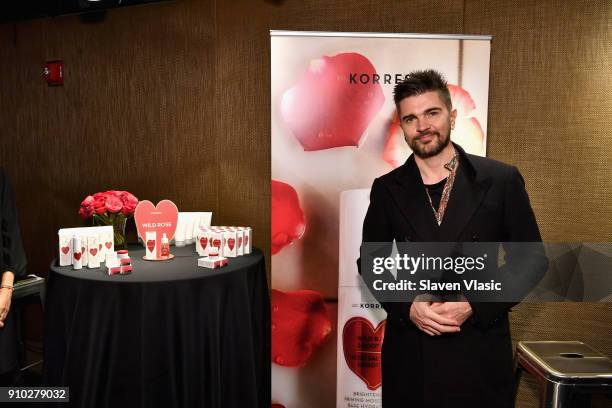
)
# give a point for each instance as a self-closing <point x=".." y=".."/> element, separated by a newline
<point x="203" y="242"/>
<point x="77" y="255"/>
<point x="239" y="242"/>
<point x="109" y="245"/>
<point x="246" y="240"/>
<point x="65" y="250"/>
<point x="231" y="243"/>
<point x="362" y="345"/>
<point x="93" y="251"/>
<point x="217" y="243"/>
<point x="151" y="245"/>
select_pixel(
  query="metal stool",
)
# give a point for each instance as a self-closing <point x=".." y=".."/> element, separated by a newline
<point x="569" y="372"/>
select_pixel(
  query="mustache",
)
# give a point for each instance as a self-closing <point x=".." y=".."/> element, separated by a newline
<point x="422" y="135"/>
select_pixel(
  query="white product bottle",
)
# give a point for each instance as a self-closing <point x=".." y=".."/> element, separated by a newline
<point x="77" y="253"/>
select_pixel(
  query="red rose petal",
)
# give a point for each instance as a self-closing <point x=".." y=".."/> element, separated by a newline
<point x="300" y="323"/>
<point x="327" y="109"/>
<point x="396" y="150"/>
<point x="288" y="222"/>
<point x="461" y="100"/>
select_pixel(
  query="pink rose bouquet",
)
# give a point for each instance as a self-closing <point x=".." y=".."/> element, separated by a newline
<point x="111" y="207"/>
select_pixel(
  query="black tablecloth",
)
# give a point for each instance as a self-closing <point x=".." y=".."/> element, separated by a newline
<point x="171" y="334"/>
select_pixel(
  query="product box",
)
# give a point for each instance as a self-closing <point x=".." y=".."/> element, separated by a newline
<point x="248" y="238"/>
<point x="229" y="244"/>
<point x="216" y="240"/>
<point x="239" y="241"/>
<point x="65" y="249"/>
<point x="93" y="255"/>
<point x="202" y="241"/>
<point x="151" y="244"/>
<point x="212" y="262"/>
<point x="105" y="241"/>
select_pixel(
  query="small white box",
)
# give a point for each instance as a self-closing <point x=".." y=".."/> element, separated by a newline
<point x="212" y="262"/>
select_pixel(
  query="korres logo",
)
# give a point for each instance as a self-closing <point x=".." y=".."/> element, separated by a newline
<point x="368" y="305"/>
<point x="365" y="78"/>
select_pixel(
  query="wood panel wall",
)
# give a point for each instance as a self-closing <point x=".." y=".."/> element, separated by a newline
<point x="171" y="100"/>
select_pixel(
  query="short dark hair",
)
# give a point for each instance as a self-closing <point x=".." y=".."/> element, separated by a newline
<point x="419" y="82"/>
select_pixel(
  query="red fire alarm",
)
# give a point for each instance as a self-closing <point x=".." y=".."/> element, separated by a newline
<point x="54" y="73"/>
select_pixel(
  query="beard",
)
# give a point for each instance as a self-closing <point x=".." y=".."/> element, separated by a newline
<point x="431" y="149"/>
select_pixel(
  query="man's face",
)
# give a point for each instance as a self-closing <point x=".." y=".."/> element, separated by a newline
<point x="426" y="123"/>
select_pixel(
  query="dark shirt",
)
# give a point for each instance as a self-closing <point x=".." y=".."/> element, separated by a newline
<point x="435" y="192"/>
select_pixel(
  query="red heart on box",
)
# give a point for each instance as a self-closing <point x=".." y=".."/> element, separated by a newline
<point x="333" y="102"/>
<point x="231" y="243"/>
<point x="65" y="250"/>
<point x="161" y="218"/>
<point x="203" y="242"/>
<point x="246" y="240"/>
<point x="99" y="247"/>
<point x="362" y="345"/>
<point x="216" y="243"/>
<point x="151" y="244"/>
<point x="109" y="245"/>
<point x="93" y="251"/>
<point x="77" y="255"/>
<point x="239" y="242"/>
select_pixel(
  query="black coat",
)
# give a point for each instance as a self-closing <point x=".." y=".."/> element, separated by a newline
<point x="12" y="259"/>
<point x="472" y="368"/>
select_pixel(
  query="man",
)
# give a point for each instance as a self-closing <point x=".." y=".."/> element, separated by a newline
<point x="12" y="265"/>
<point x="447" y="354"/>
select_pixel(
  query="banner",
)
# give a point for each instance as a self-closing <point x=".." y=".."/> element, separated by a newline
<point x="334" y="129"/>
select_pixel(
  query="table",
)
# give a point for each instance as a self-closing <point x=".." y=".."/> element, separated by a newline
<point x="170" y="334"/>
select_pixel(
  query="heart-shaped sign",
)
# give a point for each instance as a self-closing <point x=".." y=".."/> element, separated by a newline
<point x="65" y="250"/>
<point x="362" y="345"/>
<point x="93" y="251"/>
<point x="109" y="245"/>
<point x="203" y="242"/>
<point x="161" y="218"/>
<point x="77" y="255"/>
